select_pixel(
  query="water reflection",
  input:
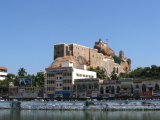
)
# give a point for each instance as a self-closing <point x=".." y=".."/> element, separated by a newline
<point x="7" y="114"/>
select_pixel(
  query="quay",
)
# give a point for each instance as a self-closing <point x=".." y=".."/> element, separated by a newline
<point x="82" y="105"/>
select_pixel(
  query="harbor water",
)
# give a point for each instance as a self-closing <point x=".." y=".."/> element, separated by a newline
<point x="17" y="114"/>
<point x="82" y="105"/>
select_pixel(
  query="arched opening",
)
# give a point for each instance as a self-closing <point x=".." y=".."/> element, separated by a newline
<point x="143" y="88"/>
<point x="107" y="89"/>
<point x="101" y="90"/>
<point x="137" y="86"/>
<point x="131" y="89"/>
<point x="156" y="87"/>
<point x="150" y="87"/>
<point x="112" y="90"/>
<point x="118" y="89"/>
<point x="114" y="69"/>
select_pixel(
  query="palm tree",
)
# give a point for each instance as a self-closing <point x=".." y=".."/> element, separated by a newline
<point x="114" y="76"/>
<point x="100" y="72"/>
<point x="22" y="72"/>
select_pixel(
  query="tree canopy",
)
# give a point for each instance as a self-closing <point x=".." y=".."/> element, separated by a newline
<point x="37" y="80"/>
<point x="100" y="73"/>
<point x="117" y="59"/>
<point x="153" y="71"/>
<point x="22" y="72"/>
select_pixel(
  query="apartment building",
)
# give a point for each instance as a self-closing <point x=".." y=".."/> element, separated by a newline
<point x="3" y="73"/>
<point x="59" y="81"/>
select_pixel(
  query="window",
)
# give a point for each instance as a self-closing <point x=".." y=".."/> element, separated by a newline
<point x="84" y="87"/>
<point x="156" y="87"/>
<point x="89" y="87"/>
<point x="95" y="86"/>
<point x="50" y="89"/>
<point x="78" y="87"/>
<point x="50" y="82"/>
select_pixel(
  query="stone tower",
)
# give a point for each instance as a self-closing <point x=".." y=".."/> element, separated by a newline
<point x="121" y="54"/>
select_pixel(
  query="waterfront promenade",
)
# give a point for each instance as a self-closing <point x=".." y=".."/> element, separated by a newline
<point x="83" y="105"/>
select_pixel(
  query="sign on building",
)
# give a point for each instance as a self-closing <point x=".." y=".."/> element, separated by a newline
<point x="25" y="81"/>
<point x="94" y="94"/>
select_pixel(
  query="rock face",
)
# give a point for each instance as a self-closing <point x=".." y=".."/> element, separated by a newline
<point x="125" y="66"/>
<point x="77" y="61"/>
<point x="58" y="61"/>
<point x="104" y="49"/>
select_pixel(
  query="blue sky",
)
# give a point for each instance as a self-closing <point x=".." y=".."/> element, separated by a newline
<point x="30" y="28"/>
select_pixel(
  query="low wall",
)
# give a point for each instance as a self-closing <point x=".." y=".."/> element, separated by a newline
<point x="83" y="105"/>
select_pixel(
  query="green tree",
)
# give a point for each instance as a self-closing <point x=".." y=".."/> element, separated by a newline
<point x="16" y="81"/>
<point x="100" y="73"/>
<point x="117" y="59"/>
<point x="129" y="61"/>
<point x="153" y="71"/>
<point x="39" y="79"/>
<point x="114" y="76"/>
<point x="10" y="76"/>
<point x="22" y="72"/>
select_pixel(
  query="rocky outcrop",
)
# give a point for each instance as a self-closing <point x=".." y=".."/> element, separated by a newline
<point x="104" y="49"/>
<point x="58" y="61"/>
<point x="125" y="66"/>
<point x="102" y="56"/>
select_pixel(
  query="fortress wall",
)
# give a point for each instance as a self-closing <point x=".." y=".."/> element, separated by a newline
<point x="79" y="50"/>
<point x="91" y="56"/>
<point x="95" y="58"/>
<point x="108" y="65"/>
<point x="59" y="50"/>
<point x="99" y="59"/>
<point x="69" y="50"/>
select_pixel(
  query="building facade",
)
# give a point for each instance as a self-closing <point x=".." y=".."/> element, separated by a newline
<point x="130" y="88"/>
<point x="25" y="92"/>
<point x="86" y="88"/>
<point x="59" y="81"/>
<point x="3" y="73"/>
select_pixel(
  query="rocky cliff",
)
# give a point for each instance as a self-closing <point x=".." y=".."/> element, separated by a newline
<point x="104" y="49"/>
<point x="58" y="61"/>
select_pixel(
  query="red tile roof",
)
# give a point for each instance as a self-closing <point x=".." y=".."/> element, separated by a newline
<point x="4" y="68"/>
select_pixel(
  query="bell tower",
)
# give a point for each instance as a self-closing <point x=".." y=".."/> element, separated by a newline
<point x="121" y="54"/>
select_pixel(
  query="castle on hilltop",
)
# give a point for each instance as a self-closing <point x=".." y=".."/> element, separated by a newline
<point x="101" y="55"/>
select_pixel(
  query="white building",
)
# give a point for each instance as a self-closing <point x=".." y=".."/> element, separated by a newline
<point x="59" y="81"/>
<point x="3" y="73"/>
